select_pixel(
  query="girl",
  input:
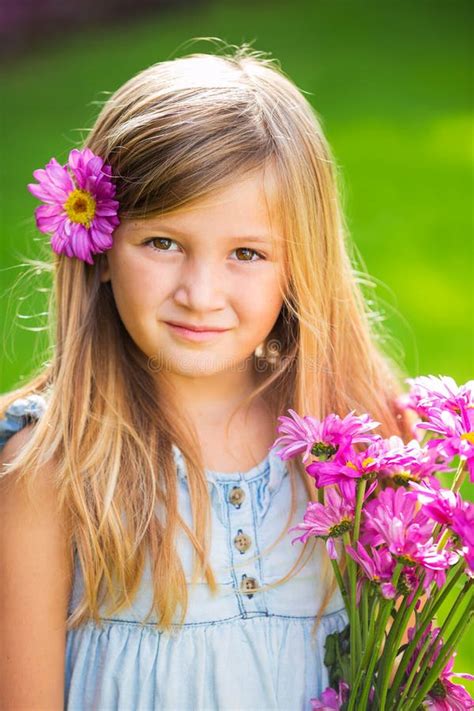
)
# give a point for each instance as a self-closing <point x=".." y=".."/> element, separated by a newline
<point x="146" y="560"/>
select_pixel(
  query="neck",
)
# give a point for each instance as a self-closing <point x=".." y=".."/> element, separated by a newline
<point x="210" y="400"/>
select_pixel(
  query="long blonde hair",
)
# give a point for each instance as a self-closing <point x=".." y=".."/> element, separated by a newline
<point x="173" y="134"/>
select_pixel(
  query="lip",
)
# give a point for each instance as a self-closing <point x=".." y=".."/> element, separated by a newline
<point x="190" y="333"/>
<point x="198" y="329"/>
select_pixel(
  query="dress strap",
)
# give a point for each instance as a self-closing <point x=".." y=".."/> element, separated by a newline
<point x="20" y="413"/>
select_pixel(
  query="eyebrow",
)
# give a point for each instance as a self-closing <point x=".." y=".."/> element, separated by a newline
<point x="262" y="239"/>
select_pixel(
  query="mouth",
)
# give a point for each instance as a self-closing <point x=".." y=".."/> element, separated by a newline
<point x="196" y="334"/>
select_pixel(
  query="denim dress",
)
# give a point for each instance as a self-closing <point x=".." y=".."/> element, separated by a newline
<point x="240" y="650"/>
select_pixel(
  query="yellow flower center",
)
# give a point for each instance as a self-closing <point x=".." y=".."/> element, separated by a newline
<point x="340" y="528"/>
<point x="469" y="436"/>
<point x="366" y="462"/>
<point x="403" y="477"/>
<point x="80" y="207"/>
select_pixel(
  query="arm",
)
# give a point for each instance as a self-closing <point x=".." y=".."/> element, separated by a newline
<point x="35" y="575"/>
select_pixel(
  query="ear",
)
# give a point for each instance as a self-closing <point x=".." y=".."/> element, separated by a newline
<point x="104" y="269"/>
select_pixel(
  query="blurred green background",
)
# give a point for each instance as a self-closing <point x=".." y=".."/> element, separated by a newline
<point x="393" y="85"/>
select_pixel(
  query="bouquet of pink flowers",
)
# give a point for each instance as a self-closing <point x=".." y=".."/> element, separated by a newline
<point x="400" y="544"/>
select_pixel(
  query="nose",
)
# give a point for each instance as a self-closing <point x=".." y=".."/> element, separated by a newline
<point x="200" y="286"/>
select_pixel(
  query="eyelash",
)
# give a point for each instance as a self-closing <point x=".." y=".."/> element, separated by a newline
<point x="168" y="239"/>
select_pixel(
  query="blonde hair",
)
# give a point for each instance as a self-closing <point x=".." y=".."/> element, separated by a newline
<point x="173" y="134"/>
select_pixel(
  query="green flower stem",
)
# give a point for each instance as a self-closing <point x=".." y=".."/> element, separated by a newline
<point x="418" y="661"/>
<point x="365" y="614"/>
<point x="358" y="510"/>
<point x="420" y="664"/>
<point x="463" y="594"/>
<point x="422" y="623"/>
<point x="388" y="645"/>
<point x="454" y="607"/>
<point x="377" y="626"/>
<point x="382" y="620"/>
<point x="460" y="476"/>
<point x="459" y="600"/>
<point x="395" y="635"/>
<point x="458" y="480"/>
<point x="321" y="495"/>
<point x="441" y="594"/>
<point x="414" y="704"/>
<point x="391" y="647"/>
<point x="355" y="636"/>
<point x="366" y="656"/>
<point x="427" y="683"/>
<point x="340" y="582"/>
<point x="355" y="631"/>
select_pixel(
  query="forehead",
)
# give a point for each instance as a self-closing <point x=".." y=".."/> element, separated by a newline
<point x="244" y="206"/>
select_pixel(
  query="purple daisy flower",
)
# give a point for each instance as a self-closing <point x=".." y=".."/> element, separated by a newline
<point x="428" y="391"/>
<point x="411" y="462"/>
<point x="442" y="505"/>
<point x="322" y="438"/>
<point x="328" y="521"/>
<point x="448" y="696"/>
<point x="463" y="527"/>
<point x="444" y="695"/>
<point x="392" y="519"/>
<point x="79" y="210"/>
<point x="354" y="465"/>
<point x="457" y="429"/>
<point x="378" y="566"/>
<point x="330" y="699"/>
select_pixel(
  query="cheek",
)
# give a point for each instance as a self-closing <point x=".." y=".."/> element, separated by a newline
<point x="137" y="292"/>
<point x="261" y="300"/>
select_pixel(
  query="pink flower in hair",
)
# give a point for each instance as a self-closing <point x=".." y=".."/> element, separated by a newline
<point x="79" y="210"/>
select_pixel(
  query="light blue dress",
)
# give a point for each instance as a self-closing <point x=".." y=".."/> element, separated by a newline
<point x="241" y="650"/>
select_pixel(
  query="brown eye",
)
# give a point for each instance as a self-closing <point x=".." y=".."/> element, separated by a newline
<point x="164" y="242"/>
<point x="248" y="254"/>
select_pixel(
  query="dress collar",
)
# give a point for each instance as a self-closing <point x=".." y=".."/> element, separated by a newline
<point x="271" y="467"/>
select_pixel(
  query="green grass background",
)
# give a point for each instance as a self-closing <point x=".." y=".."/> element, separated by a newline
<point x="392" y="83"/>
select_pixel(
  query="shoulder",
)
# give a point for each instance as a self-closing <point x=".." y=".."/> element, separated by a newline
<point x="17" y="425"/>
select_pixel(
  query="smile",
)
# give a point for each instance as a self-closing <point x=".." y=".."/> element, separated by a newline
<point x="189" y="334"/>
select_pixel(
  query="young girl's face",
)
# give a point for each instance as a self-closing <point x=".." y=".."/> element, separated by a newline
<point x="212" y="265"/>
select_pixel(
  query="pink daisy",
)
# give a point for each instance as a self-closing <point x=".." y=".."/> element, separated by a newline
<point x="447" y="696"/>
<point x="463" y="527"/>
<point x="457" y="430"/>
<point x="322" y="438"/>
<point x="79" y="210"/>
<point x="330" y="699"/>
<point x="428" y="391"/>
<point x="442" y="505"/>
<point x="328" y="521"/>
<point x="377" y="566"/>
